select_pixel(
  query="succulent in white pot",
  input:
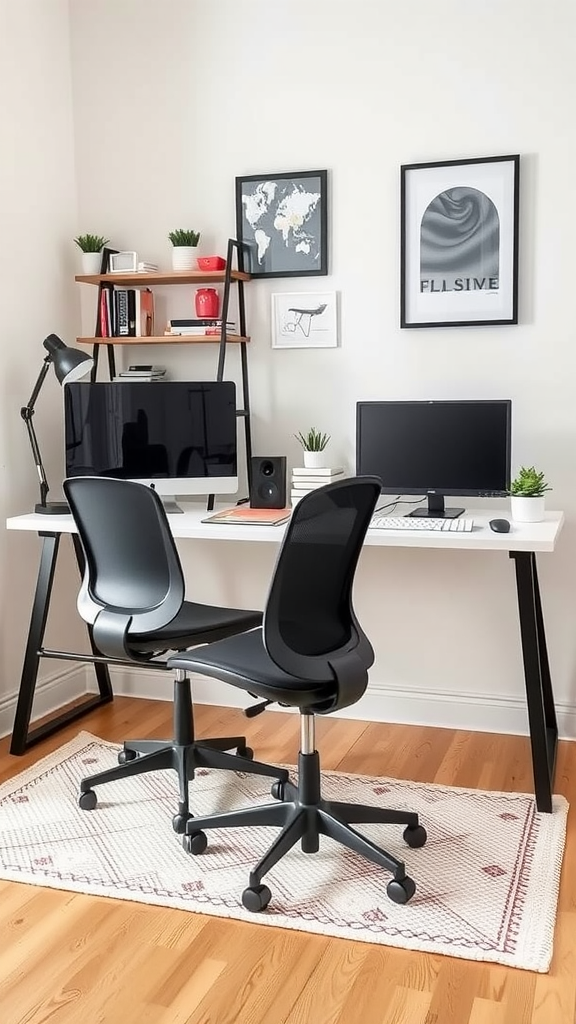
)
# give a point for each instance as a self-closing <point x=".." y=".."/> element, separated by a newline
<point x="313" y="444"/>
<point x="185" y="249"/>
<point x="528" y="495"/>
<point x="91" y="248"/>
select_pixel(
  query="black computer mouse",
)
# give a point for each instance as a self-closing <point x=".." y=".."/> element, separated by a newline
<point x="500" y="525"/>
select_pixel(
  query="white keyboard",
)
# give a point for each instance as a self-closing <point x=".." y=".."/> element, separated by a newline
<point x="383" y="522"/>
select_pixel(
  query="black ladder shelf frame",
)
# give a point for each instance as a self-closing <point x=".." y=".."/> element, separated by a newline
<point x="234" y="248"/>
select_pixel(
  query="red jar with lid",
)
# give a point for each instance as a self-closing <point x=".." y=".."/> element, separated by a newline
<point x="207" y="302"/>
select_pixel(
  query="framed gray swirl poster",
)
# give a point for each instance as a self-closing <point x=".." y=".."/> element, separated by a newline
<point x="459" y="242"/>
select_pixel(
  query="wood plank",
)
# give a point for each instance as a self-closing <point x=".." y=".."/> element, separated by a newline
<point x="162" y="277"/>
<point x="69" y="957"/>
<point x="166" y="339"/>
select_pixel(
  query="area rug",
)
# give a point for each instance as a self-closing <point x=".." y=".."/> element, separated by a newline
<point x="487" y="879"/>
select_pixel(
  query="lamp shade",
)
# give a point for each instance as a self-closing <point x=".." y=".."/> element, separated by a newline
<point x="69" y="363"/>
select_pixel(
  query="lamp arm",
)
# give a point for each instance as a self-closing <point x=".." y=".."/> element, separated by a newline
<point x="27" y="412"/>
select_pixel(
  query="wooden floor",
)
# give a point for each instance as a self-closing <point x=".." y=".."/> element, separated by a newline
<point x="74" y="959"/>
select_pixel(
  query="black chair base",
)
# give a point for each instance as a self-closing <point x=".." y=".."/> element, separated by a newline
<point x="141" y="756"/>
<point x="304" y="816"/>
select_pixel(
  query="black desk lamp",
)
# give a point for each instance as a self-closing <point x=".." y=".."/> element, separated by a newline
<point x="69" y="365"/>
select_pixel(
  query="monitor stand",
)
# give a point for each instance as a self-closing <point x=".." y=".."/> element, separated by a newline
<point x="436" y="509"/>
<point x="171" y="506"/>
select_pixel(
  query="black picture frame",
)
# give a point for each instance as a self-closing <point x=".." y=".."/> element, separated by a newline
<point x="459" y="242"/>
<point x="298" y="247"/>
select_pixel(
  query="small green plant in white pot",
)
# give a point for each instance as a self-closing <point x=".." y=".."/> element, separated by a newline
<point x="185" y="249"/>
<point x="528" y="495"/>
<point x="314" y="444"/>
<point x="91" y="248"/>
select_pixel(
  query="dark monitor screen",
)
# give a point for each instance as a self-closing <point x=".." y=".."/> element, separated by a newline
<point x="436" y="448"/>
<point x="181" y="435"/>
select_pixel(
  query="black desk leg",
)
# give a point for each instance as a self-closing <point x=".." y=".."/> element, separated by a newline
<point x="539" y="695"/>
<point x="22" y="736"/>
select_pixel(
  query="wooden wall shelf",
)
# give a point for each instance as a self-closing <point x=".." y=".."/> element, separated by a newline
<point x="163" y="277"/>
<point x="165" y="339"/>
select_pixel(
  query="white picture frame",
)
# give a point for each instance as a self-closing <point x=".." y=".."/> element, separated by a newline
<point x="304" y="320"/>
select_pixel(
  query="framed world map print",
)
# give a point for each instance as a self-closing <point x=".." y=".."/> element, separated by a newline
<point x="282" y="219"/>
<point x="459" y="242"/>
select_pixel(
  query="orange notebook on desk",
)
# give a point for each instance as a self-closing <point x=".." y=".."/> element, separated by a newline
<point x="254" y="516"/>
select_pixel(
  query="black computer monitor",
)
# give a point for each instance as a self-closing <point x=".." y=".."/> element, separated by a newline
<point x="436" y="448"/>
<point x="177" y="436"/>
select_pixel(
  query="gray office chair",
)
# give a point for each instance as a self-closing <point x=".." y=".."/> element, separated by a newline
<point x="132" y="596"/>
<point x="310" y="653"/>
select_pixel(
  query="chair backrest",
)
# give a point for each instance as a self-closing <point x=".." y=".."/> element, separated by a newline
<point x="133" y="578"/>
<point x="310" y="629"/>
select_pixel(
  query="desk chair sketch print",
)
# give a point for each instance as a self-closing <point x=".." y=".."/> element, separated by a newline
<point x="302" y="319"/>
<point x="310" y="653"/>
<point x="132" y="596"/>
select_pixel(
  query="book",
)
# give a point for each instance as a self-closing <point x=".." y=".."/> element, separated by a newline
<point x="315" y="481"/>
<point x="323" y="471"/>
<point x="251" y="516"/>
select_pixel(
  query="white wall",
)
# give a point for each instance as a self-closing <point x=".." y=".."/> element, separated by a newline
<point x="195" y="93"/>
<point x="38" y="221"/>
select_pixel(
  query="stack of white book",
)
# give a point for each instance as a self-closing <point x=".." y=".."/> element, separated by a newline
<point x="305" y="480"/>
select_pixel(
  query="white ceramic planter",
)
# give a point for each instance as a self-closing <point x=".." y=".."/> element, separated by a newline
<point x="527" y="510"/>
<point x="184" y="257"/>
<point x="91" y="262"/>
<point x="315" y="460"/>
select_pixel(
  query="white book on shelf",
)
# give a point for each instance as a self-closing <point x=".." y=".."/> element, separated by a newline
<point x="323" y="471"/>
<point x="315" y="481"/>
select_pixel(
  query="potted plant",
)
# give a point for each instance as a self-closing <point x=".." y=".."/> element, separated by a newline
<point x="527" y="495"/>
<point x="91" y="247"/>
<point x="185" y="248"/>
<point x="313" y="444"/>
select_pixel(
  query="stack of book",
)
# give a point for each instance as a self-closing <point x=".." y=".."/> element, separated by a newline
<point x="305" y="480"/>
<point x="142" y="372"/>
<point x="205" y="326"/>
<point x="126" y="313"/>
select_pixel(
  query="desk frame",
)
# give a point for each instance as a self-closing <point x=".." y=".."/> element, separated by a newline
<point x="22" y="736"/>
<point x="538" y="683"/>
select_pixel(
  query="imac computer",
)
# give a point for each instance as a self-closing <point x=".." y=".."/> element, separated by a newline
<point x="176" y="436"/>
<point x="436" y="449"/>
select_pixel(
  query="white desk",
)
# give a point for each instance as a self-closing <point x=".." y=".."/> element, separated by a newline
<point x="521" y="544"/>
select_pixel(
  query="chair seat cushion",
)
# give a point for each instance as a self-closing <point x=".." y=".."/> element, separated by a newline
<point x="244" y="661"/>
<point x="196" y="624"/>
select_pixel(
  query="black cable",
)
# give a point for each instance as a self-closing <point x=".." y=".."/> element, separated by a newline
<point x="399" y="501"/>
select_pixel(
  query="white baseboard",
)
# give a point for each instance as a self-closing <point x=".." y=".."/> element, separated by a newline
<point x="477" y="712"/>
<point x="52" y="693"/>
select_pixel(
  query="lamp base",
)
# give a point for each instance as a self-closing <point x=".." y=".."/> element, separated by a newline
<point x="53" y="508"/>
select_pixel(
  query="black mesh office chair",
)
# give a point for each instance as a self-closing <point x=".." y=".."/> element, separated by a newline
<point x="132" y="595"/>
<point x="312" y="654"/>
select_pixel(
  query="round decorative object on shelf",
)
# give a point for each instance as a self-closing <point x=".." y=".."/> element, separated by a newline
<point x="91" y="262"/>
<point x="207" y="303"/>
<point x="184" y="257"/>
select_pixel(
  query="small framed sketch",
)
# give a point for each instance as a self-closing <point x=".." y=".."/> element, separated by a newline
<point x="283" y="220"/>
<point x="304" y="320"/>
<point x="459" y="242"/>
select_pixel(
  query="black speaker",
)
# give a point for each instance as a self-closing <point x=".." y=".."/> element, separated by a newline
<point x="268" y="486"/>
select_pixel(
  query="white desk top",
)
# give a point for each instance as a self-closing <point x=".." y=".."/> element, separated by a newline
<point x="522" y="536"/>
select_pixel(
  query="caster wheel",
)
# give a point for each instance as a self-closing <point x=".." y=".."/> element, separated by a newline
<point x="88" y="800"/>
<point x="246" y="752"/>
<point x="277" y="790"/>
<point x="415" y="836"/>
<point x="401" y="891"/>
<point x="256" y="898"/>
<point x="179" y="822"/>
<point x="127" y="755"/>
<point x="195" y="843"/>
